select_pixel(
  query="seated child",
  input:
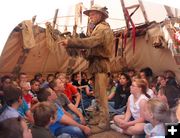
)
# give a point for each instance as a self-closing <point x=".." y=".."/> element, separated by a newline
<point x="155" y="112"/>
<point x="132" y="123"/>
<point x="44" y="115"/>
<point x="14" y="127"/>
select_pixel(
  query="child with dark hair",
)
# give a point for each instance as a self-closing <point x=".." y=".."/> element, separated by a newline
<point x="146" y="73"/>
<point x="14" y="128"/>
<point x="44" y="114"/>
<point x="13" y="100"/>
<point x="35" y="85"/>
<point x="49" y="78"/>
<point x="122" y="92"/>
<point x="15" y="105"/>
<point x="63" y="123"/>
<point x="39" y="77"/>
<point x="169" y="95"/>
<point x="5" y="81"/>
<point x="171" y="81"/>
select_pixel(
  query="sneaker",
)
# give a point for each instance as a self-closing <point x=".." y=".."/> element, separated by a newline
<point x="112" y="122"/>
<point x="64" y="135"/>
<point x="80" y="110"/>
<point x="90" y="109"/>
<point x="116" y="128"/>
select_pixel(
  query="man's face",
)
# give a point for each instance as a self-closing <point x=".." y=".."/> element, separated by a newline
<point x="95" y="17"/>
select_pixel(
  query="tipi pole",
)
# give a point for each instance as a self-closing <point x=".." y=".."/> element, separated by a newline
<point x="55" y="18"/>
<point x="143" y="11"/>
<point x="124" y="12"/>
<point x="33" y="19"/>
<point x="169" y="12"/>
<point x="88" y="32"/>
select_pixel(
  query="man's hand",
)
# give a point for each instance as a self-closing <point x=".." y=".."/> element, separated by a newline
<point x="63" y="43"/>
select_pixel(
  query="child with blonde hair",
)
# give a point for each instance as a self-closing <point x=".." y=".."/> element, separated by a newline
<point x="155" y="112"/>
<point x="132" y="123"/>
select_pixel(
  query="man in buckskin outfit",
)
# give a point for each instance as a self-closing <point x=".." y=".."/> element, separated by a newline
<point x="99" y="46"/>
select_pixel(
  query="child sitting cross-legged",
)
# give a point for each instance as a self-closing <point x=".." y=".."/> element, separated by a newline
<point x="132" y="123"/>
<point x="155" y="112"/>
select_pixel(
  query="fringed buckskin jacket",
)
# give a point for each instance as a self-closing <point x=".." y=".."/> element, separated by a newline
<point x="99" y="46"/>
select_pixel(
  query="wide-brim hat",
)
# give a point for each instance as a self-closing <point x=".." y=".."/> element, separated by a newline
<point x="100" y="9"/>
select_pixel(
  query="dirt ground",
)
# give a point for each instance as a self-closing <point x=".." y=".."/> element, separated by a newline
<point x="109" y="134"/>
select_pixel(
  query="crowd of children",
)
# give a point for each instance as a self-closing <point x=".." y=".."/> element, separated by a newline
<point x="139" y="104"/>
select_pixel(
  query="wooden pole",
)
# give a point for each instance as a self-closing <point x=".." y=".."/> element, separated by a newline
<point x="176" y="12"/>
<point x="55" y="18"/>
<point x="134" y="6"/>
<point x="125" y="17"/>
<point x="88" y="32"/>
<point x="143" y="11"/>
<point x="76" y="20"/>
<point x="80" y="14"/>
<point x="169" y="12"/>
<point x="34" y="19"/>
